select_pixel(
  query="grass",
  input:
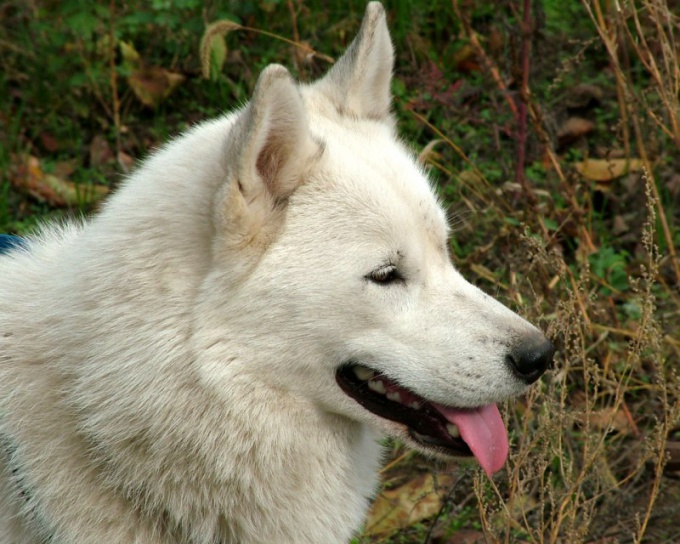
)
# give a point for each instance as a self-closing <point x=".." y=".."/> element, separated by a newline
<point x="592" y="261"/>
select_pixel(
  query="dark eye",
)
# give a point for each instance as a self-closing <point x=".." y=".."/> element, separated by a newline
<point x="385" y="275"/>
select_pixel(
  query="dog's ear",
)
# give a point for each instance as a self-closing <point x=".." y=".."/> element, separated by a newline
<point x="359" y="82"/>
<point x="269" y="150"/>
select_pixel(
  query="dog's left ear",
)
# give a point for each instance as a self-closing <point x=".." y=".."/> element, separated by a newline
<point x="272" y="136"/>
<point x="267" y="155"/>
<point x="359" y="82"/>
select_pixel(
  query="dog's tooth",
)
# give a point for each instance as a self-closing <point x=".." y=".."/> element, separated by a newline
<point x="453" y="430"/>
<point x="363" y="373"/>
<point x="377" y="386"/>
<point x="415" y="405"/>
<point x="394" y="396"/>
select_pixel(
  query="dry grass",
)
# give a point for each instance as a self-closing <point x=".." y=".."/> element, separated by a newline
<point x="590" y="440"/>
<point x="589" y="450"/>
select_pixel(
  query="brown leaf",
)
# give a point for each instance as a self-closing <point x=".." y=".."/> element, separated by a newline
<point x="620" y="225"/>
<point x="27" y="175"/>
<point x="405" y="505"/>
<point x="607" y="169"/>
<point x="49" y="142"/>
<point x="65" y="168"/>
<point x="497" y="41"/>
<point x="609" y="419"/>
<point x="100" y="151"/>
<point x="465" y="59"/>
<point x="153" y="84"/>
<point x="126" y="161"/>
<point x="573" y="129"/>
<point x="584" y="95"/>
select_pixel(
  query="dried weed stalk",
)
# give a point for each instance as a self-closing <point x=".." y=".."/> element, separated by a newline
<point x="644" y="30"/>
<point x="579" y="456"/>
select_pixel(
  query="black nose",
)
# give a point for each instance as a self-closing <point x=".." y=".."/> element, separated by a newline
<point x="530" y="357"/>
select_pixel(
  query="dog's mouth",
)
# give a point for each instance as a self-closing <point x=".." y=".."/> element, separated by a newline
<point x="443" y="429"/>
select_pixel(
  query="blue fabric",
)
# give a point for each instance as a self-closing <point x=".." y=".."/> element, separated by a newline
<point x="7" y="242"/>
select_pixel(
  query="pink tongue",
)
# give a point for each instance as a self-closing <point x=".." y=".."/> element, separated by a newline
<point x="483" y="431"/>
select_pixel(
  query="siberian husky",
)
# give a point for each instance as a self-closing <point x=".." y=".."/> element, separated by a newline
<point x="215" y="357"/>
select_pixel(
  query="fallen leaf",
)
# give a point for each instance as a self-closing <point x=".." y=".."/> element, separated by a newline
<point x="100" y="151"/>
<point x="126" y="161"/>
<point x="573" y="129"/>
<point x="607" y="169"/>
<point x="150" y="84"/>
<point x="583" y="96"/>
<point x="496" y="40"/>
<point x="65" y="168"/>
<point x="27" y="175"/>
<point x="49" y="142"/>
<point x="465" y="59"/>
<point x="153" y="84"/>
<point x="398" y="508"/>
<point x="620" y="226"/>
<point x="608" y="419"/>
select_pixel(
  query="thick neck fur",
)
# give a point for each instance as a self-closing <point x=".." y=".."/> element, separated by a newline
<point x="173" y="461"/>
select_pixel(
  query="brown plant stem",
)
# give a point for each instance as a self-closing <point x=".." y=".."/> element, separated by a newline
<point x="600" y="21"/>
<point x="520" y="174"/>
<point x="296" y="33"/>
<point x="113" y="80"/>
<point x="484" y="58"/>
<point x="293" y="20"/>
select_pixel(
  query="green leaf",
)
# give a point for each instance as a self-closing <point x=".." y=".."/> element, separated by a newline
<point x="218" y="54"/>
<point x="213" y="48"/>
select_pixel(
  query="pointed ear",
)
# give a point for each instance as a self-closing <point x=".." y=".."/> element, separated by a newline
<point x="271" y="135"/>
<point x="359" y="83"/>
<point x="268" y="154"/>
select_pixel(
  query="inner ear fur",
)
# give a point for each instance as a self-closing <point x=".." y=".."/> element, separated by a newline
<point x="268" y="154"/>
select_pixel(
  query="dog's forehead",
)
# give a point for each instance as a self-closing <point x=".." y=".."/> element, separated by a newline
<point x="375" y="182"/>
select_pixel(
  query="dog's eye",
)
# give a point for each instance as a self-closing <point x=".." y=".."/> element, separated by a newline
<point x="385" y="275"/>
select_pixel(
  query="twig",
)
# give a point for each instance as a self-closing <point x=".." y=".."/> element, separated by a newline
<point x="484" y="58"/>
<point x="113" y="79"/>
<point x="296" y="33"/>
<point x="520" y="174"/>
<point x="293" y="18"/>
<point x="445" y="500"/>
<point x="302" y="46"/>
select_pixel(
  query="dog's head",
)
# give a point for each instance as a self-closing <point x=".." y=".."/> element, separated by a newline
<point x="331" y="258"/>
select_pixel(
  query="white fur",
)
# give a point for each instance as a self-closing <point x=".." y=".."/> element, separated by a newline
<point x="167" y="369"/>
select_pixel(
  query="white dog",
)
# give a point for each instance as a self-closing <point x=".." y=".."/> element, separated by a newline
<point x="214" y="357"/>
